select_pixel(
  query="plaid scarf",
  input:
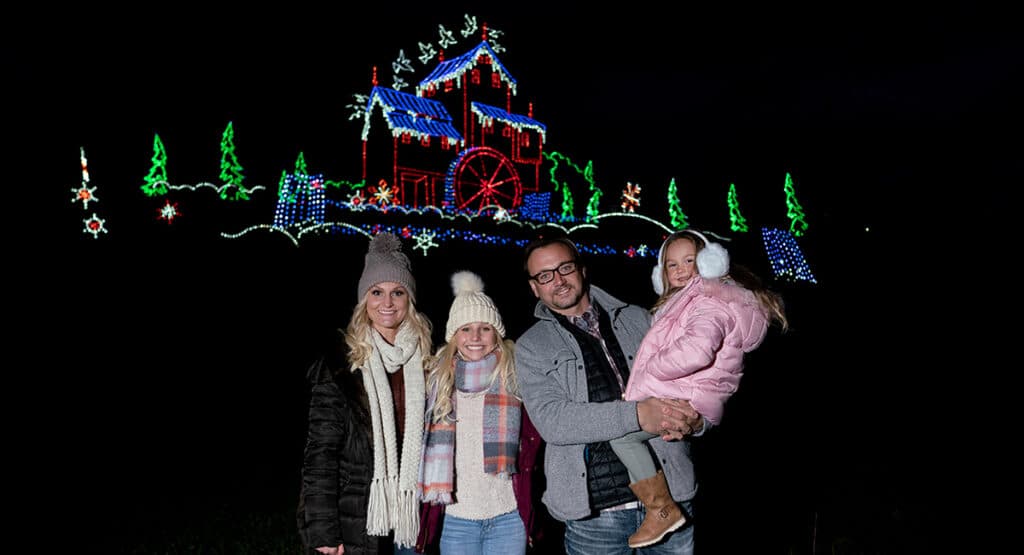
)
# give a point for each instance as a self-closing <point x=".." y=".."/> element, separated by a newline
<point x="500" y="431"/>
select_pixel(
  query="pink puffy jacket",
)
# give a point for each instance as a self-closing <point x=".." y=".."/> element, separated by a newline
<point x="694" y="349"/>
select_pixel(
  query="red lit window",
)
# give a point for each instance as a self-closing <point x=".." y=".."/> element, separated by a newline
<point x="474" y="77"/>
<point x="425" y="140"/>
<point x="444" y="143"/>
<point x="506" y="132"/>
<point x="496" y="80"/>
<point x="429" y="91"/>
<point x="524" y="139"/>
<point x="448" y="85"/>
<point x="406" y="138"/>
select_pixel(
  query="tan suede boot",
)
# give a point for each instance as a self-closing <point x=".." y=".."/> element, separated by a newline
<point x="663" y="513"/>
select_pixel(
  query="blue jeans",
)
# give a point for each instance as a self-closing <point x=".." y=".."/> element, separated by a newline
<point x="500" y="535"/>
<point x="608" y="534"/>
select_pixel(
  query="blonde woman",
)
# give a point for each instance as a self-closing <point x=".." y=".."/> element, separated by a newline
<point x="480" y="447"/>
<point x="361" y="466"/>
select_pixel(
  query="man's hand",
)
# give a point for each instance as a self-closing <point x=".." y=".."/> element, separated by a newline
<point x="670" y="418"/>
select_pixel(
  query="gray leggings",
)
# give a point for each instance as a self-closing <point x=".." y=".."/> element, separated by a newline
<point x="632" y="451"/>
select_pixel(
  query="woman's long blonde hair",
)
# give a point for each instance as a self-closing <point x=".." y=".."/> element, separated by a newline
<point x="360" y="350"/>
<point x="442" y="374"/>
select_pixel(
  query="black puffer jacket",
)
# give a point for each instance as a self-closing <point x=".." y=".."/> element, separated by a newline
<point x="338" y="463"/>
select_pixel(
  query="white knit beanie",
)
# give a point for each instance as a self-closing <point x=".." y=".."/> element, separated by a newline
<point x="471" y="305"/>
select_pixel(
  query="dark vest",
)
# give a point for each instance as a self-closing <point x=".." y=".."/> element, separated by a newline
<point x="607" y="477"/>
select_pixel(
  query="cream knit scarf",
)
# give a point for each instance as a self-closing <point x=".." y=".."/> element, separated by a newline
<point x="394" y="497"/>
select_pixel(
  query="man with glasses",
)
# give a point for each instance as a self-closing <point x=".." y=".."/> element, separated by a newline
<point x="573" y="364"/>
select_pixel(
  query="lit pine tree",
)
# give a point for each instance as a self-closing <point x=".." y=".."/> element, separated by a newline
<point x="675" y="211"/>
<point x="795" y="213"/>
<point x="736" y="220"/>
<point x="156" y="181"/>
<point x="567" y="202"/>
<point x="281" y="183"/>
<point x="230" y="169"/>
<point x="595" y="197"/>
<point x="300" y="164"/>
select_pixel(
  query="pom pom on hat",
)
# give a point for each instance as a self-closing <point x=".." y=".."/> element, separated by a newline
<point x="471" y="304"/>
<point x="385" y="261"/>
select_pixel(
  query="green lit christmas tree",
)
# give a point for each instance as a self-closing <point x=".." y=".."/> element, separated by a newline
<point x="736" y="220"/>
<point x="794" y="211"/>
<point x="675" y="211"/>
<point x="156" y="181"/>
<point x="230" y="169"/>
<point x="300" y="164"/>
<point x="595" y="197"/>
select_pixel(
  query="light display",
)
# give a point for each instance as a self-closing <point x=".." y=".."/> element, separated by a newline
<point x="675" y="212"/>
<point x="784" y="255"/>
<point x="794" y="211"/>
<point x="156" y="179"/>
<point x="630" y="197"/>
<point x="94" y="225"/>
<point x="471" y="166"/>
<point x="230" y="169"/>
<point x="168" y="212"/>
<point x="736" y="220"/>
<point x="84" y="193"/>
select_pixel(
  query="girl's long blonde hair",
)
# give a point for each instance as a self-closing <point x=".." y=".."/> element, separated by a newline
<point x="360" y="350"/>
<point x="442" y="375"/>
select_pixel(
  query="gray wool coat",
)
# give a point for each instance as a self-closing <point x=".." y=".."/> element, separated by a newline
<point x="553" y="384"/>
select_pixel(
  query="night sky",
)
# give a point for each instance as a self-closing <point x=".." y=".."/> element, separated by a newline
<point x="178" y="377"/>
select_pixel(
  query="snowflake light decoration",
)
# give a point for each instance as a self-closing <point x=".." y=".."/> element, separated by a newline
<point x="630" y="197"/>
<point x="168" y="212"/>
<point x="84" y="194"/>
<point x="425" y="240"/>
<point x="356" y="201"/>
<point x="94" y="225"/>
<point x="383" y="194"/>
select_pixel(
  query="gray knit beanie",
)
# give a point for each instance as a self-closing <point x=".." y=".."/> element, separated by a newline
<point x="385" y="261"/>
<point x="471" y="305"/>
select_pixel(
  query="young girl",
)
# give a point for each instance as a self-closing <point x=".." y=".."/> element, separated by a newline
<point x="480" y="446"/>
<point x="704" y="322"/>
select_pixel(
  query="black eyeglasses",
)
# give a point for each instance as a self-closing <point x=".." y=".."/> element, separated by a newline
<point x="563" y="269"/>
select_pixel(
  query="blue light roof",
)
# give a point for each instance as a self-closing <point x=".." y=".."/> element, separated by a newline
<point x="485" y="112"/>
<point x="454" y="68"/>
<point x="404" y="123"/>
<point x="408" y="113"/>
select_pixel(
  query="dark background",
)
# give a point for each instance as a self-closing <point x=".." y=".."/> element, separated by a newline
<point x="171" y="360"/>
